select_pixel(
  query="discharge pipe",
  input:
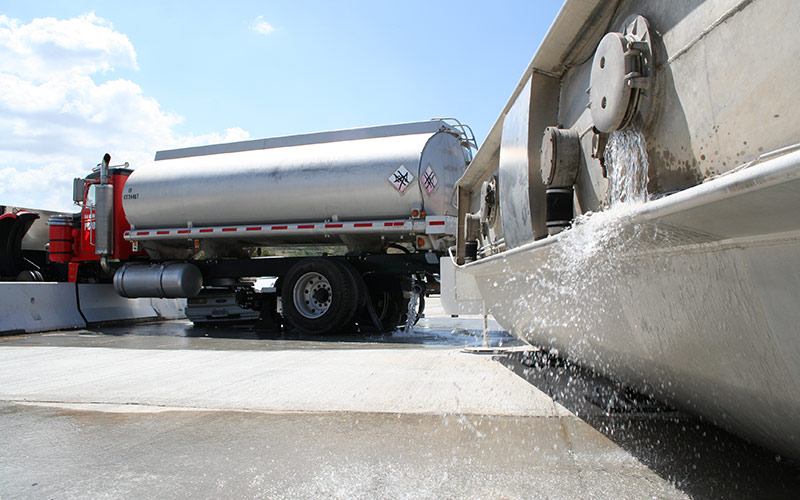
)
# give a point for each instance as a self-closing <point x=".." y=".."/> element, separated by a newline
<point x="104" y="168"/>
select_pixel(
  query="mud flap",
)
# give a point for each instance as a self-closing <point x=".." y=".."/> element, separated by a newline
<point x="13" y="227"/>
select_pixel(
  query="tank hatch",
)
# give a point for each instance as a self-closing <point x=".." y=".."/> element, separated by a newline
<point x="621" y="77"/>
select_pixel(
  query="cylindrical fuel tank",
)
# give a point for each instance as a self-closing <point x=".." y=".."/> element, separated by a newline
<point x="168" y="280"/>
<point x="61" y="239"/>
<point x="344" y="179"/>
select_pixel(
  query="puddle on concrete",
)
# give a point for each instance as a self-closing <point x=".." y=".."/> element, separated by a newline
<point x="697" y="457"/>
<point x="181" y="334"/>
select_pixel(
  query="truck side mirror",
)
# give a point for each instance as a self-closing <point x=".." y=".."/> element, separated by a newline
<point x="78" y="188"/>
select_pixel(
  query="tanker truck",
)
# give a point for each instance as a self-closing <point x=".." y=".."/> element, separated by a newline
<point x="635" y="206"/>
<point x="195" y="221"/>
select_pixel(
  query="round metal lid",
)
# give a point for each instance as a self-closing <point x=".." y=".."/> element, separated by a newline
<point x="559" y="156"/>
<point x="548" y="156"/>
<point x="610" y="93"/>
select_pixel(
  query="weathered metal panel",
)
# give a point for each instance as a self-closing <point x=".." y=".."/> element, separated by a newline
<point x="515" y="203"/>
<point x="692" y="295"/>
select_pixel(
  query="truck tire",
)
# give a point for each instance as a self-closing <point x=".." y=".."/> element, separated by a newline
<point x="358" y="283"/>
<point x="30" y="275"/>
<point x="388" y="307"/>
<point x="319" y="296"/>
<point x="386" y="296"/>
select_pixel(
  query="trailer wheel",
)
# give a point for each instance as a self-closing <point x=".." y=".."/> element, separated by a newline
<point x="386" y="312"/>
<point x="385" y="294"/>
<point x="30" y="275"/>
<point x="319" y="296"/>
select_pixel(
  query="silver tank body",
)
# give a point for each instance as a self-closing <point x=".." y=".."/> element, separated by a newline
<point x="344" y="175"/>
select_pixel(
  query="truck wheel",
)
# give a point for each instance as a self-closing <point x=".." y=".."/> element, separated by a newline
<point x="386" y="297"/>
<point x="30" y="276"/>
<point x="319" y="296"/>
<point x="391" y="305"/>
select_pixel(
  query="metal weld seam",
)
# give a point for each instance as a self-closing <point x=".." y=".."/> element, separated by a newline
<point x="730" y="13"/>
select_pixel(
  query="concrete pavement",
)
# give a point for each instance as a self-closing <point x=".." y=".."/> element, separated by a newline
<point x="168" y="410"/>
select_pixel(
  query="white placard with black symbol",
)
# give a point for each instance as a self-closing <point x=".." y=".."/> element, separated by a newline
<point x="401" y="178"/>
<point x="429" y="179"/>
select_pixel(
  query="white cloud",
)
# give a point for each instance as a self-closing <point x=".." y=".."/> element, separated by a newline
<point x="262" y="27"/>
<point x="82" y="45"/>
<point x="56" y="122"/>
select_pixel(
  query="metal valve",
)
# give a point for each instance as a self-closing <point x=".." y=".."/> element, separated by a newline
<point x="560" y="159"/>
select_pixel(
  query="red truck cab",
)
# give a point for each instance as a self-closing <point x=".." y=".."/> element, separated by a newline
<point x="74" y="238"/>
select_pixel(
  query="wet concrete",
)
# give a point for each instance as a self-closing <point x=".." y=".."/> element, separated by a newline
<point x="698" y="458"/>
<point x="71" y="454"/>
<point x="166" y="410"/>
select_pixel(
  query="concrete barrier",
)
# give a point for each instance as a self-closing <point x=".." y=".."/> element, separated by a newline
<point x="99" y="303"/>
<point x="38" y="307"/>
<point x="169" y="308"/>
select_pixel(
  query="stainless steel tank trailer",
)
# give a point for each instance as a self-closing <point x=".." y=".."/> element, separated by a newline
<point x="186" y="223"/>
<point x="688" y="293"/>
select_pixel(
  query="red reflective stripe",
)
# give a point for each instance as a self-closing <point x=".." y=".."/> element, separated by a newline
<point x="399" y="223"/>
<point x="305" y="226"/>
<point x="388" y="224"/>
<point x="162" y="232"/>
<point x="228" y="229"/>
<point x="363" y="224"/>
<point x="255" y="228"/>
<point x="184" y="231"/>
<point x="142" y="233"/>
<point x="274" y="228"/>
<point x="206" y="230"/>
<point x="333" y="225"/>
<point x="436" y="223"/>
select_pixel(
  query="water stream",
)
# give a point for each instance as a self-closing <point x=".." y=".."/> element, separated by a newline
<point x="413" y="304"/>
<point x="572" y="285"/>
<point x="626" y="161"/>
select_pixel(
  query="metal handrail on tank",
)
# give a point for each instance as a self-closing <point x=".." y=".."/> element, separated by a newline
<point x="466" y="135"/>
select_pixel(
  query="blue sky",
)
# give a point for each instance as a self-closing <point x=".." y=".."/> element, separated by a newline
<point x="131" y="78"/>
